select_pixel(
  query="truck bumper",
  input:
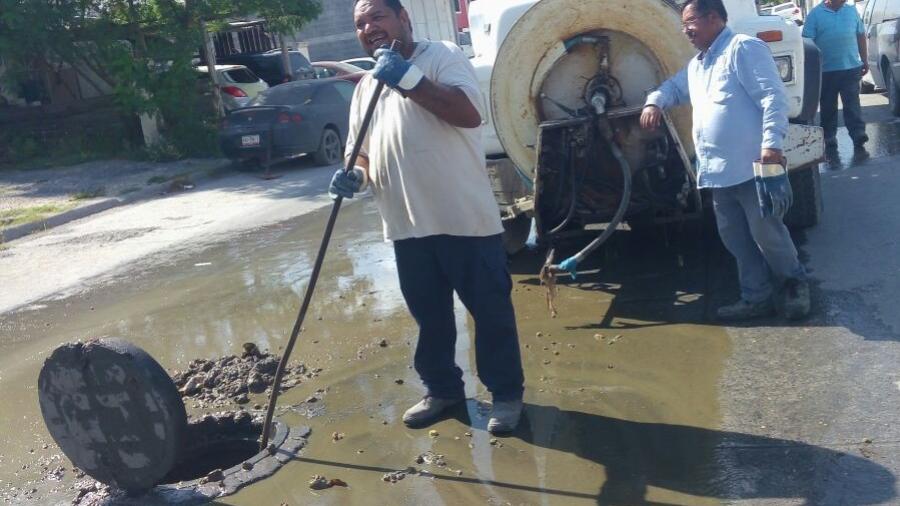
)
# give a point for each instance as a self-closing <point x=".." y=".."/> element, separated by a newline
<point x="804" y="145"/>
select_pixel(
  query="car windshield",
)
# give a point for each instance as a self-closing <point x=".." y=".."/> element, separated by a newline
<point x="299" y="61"/>
<point x="285" y="94"/>
<point x="363" y="64"/>
<point x="241" y="76"/>
<point x="322" y="72"/>
<point x="272" y="65"/>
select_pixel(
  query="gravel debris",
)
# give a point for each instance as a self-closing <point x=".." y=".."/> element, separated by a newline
<point x="233" y="379"/>
<point x="395" y="476"/>
<point x="320" y="482"/>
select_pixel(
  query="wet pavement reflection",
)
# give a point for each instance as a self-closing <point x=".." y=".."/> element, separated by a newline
<point x="622" y="399"/>
<point x="884" y="140"/>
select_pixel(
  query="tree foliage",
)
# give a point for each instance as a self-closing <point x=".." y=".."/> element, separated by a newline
<point x="140" y="49"/>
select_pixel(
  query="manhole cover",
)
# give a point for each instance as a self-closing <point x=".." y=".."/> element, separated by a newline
<point x="114" y="411"/>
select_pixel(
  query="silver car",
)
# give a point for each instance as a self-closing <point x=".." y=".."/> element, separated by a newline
<point x="237" y="84"/>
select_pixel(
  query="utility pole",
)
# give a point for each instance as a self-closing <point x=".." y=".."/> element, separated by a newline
<point x="209" y="51"/>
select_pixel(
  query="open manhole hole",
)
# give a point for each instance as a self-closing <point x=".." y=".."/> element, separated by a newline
<point x="116" y="414"/>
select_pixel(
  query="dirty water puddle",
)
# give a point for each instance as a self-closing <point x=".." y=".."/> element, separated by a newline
<point x="598" y="416"/>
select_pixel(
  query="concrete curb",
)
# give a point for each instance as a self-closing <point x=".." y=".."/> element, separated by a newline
<point x="19" y="231"/>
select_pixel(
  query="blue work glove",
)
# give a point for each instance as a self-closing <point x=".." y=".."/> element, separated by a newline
<point x="570" y="265"/>
<point x="394" y="71"/>
<point x="773" y="187"/>
<point x="345" y="184"/>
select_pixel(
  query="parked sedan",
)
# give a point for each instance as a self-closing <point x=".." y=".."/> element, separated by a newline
<point x="291" y="119"/>
<point x="238" y="84"/>
<point x="270" y="65"/>
<point x="882" y="19"/>
<point x="326" y="69"/>
<point x="365" y="63"/>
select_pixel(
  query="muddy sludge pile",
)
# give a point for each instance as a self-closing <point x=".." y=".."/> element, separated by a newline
<point x="233" y="379"/>
<point x="117" y="416"/>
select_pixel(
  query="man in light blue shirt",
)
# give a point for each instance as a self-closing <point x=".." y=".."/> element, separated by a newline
<point x="840" y="35"/>
<point x="739" y="115"/>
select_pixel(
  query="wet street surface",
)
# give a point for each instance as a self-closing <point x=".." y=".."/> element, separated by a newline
<point x="633" y="394"/>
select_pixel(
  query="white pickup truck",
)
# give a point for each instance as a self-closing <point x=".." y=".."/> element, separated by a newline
<point x="567" y="80"/>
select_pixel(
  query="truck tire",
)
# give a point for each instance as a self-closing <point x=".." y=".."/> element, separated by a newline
<point x="812" y="83"/>
<point x="892" y="91"/>
<point x="515" y="233"/>
<point x="807" y="208"/>
<point x="866" y="87"/>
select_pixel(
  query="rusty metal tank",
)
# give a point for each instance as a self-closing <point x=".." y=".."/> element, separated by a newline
<point x="537" y="77"/>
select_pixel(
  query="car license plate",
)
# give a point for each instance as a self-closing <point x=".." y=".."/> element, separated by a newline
<point x="249" y="140"/>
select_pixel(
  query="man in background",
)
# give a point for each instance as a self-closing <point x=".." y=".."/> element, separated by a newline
<point x="838" y="32"/>
<point x="740" y="116"/>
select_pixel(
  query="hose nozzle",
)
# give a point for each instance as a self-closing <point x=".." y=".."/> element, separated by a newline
<point x="570" y="265"/>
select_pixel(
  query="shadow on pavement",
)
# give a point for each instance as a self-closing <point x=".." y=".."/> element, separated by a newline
<point x="689" y="460"/>
<point x="661" y="276"/>
<point x="681" y="274"/>
<point x="703" y="462"/>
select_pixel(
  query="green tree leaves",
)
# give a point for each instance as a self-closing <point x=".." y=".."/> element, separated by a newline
<point x="139" y="49"/>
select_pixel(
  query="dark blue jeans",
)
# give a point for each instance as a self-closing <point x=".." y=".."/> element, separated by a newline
<point x="431" y="269"/>
<point x="846" y="84"/>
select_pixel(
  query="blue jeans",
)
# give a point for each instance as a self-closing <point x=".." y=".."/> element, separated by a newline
<point x="846" y="84"/>
<point x="431" y="269"/>
<point x="762" y="247"/>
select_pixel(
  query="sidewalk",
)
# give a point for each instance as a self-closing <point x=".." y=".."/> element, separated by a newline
<point x="32" y="200"/>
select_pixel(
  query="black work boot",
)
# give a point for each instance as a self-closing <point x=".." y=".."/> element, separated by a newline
<point x="743" y="310"/>
<point x="796" y="299"/>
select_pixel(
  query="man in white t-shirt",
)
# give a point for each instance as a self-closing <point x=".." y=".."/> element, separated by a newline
<point x="424" y="160"/>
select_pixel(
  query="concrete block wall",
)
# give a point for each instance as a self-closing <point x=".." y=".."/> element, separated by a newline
<point x="333" y="35"/>
<point x="432" y="19"/>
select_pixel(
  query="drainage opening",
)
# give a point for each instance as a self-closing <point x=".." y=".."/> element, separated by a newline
<point x="216" y="442"/>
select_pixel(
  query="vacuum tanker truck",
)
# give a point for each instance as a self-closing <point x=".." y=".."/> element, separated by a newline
<point x="567" y="80"/>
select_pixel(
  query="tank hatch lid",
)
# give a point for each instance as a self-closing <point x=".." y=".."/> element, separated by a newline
<point x="113" y="411"/>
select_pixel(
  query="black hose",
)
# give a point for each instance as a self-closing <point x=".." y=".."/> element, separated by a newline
<point x="571" y="263"/>
<point x="574" y="197"/>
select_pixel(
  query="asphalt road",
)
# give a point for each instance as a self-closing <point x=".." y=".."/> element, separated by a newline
<point x="834" y="381"/>
<point x="681" y="411"/>
<point x="81" y="254"/>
